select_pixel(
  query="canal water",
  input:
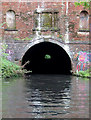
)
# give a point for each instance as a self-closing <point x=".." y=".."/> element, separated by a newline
<point x="46" y="96"/>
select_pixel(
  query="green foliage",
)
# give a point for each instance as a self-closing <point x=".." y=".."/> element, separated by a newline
<point x="3" y="49"/>
<point x="1" y="27"/>
<point x="86" y="73"/>
<point x="60" y="36"/>
<point x="85" y="4"/>
<point x="2" y="24"/>
<point x="54" y="28"/>
<point x="23" y="38"/>
<point x="47" y="56"/>
<point x="9" y="69"/>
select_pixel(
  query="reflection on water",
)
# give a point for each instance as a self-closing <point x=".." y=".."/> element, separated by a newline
<point x="46" y="96"/>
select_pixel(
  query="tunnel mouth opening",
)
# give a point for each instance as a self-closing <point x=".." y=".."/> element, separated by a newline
<point x="47" y="58"/>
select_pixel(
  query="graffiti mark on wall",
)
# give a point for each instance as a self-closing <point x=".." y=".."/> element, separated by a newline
<point x="89" y="57"/>
<point x="84" y="60"/>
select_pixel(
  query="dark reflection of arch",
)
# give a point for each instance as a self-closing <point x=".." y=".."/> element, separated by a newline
<point x="84" y="21"/>
<point x="58" y="62"/>
<point x="48" y="82"/>
<point x="48" y="95"/>
<point x="45" y="89"/>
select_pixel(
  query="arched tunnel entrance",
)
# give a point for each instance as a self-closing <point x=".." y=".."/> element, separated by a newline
<point x="47" y="58"/>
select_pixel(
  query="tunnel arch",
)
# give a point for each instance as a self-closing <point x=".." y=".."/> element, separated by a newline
<point x="47" y="58"/>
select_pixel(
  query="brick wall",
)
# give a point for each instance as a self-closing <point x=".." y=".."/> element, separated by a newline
<point x="24" y="12"/>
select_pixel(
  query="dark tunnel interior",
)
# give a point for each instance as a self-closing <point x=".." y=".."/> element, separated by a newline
<point x="47" y="58"/>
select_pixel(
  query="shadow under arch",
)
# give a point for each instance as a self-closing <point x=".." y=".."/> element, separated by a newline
<point x="47" y="58"/>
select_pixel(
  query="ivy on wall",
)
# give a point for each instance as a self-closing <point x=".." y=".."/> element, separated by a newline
<point x="85" y="4"/>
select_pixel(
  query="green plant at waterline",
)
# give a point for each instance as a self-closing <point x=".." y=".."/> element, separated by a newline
<point x="86" y="73"/>
<point x="10" y="69"/>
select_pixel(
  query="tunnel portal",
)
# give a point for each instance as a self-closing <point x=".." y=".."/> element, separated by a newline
<point x="47" y="58"/>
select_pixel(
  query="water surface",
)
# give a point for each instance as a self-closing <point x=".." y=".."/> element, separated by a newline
<point x="46" y="96"/>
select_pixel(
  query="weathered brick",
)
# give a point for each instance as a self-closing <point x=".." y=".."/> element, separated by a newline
<point x="24" y="16"/>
